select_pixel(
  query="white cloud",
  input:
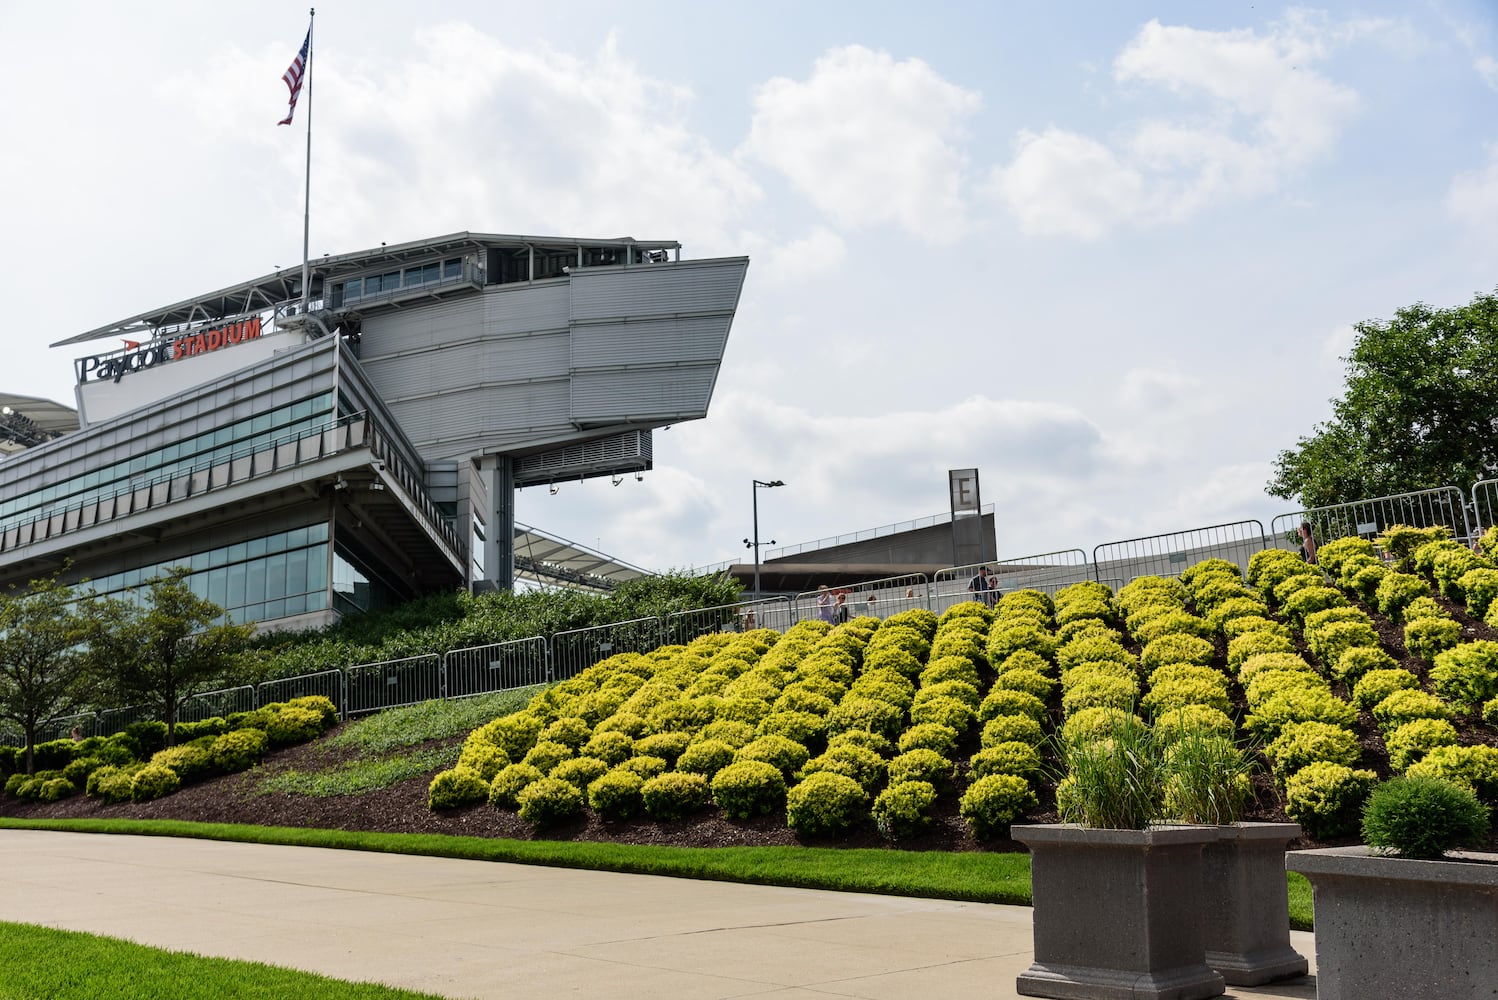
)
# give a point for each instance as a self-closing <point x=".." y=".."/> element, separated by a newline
<point x="814" y="255"/>
<point x="1487" y="68"/>
<point x="1338" y="344"/>
<point x="869" y="141"/>
<point x="1148" y="388"/>
<point x="1253" y="112"/>
<point x="1473" y="195"/>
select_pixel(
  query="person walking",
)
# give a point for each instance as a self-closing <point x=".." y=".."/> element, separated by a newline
<point x="824" y="604"/>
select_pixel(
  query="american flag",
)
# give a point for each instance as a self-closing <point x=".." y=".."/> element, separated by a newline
<point x="293" y="77"/>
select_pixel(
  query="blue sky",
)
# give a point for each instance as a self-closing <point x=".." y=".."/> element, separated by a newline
<point x="1108" y="253"/>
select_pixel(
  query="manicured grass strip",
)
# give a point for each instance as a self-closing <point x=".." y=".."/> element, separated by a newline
<point x="395" y="728"/>
<point x="63" y="965"/>
<point x="971" y="875"/>
<point x="360" y="776"/>
<point x="1300" y="902"/>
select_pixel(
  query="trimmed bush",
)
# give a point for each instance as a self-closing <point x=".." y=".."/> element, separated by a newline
<point x="1396" y="590"/>
<point x="674" y="794"/>
<point x="1004" y="702"/>
<point x="509" y="782"/>
<point x="1302" y="743"/>
<point x="1012" y="728"/>
<point x="992" y="803"/>
<point x="645" y="766"/>
<point x="904" y="809"/>
<point x="153" y="781"/>
<point x="1376" y="685"/>
<point x="705" y="757"/>
<point x="929" y="736"/>
<point x="1096" y="723"/>
<point x="1237" y="628"/>
<point x="1426" y="637"/>
<point x="1172" y="623"/>
<point x="748" y="788"/>
<point x="1326" y="799"/>
<point x="1416" y="738"/>
<point x="110" y="783"/>
<point x="238" y="751"/>
<point x="824" y="804"/>
<point x="1406" y="706"/>
<point x="865" y="713"/>
<point x="570" y="731"/>
<point x="1423" y="817"/>
<point x="668" y="746"/>
<point x="616" y="794"/>
<point x="1178" y="722"/>
<point x="580" y="771"/>
<point x="1480" y="585"/>
<point x="546" y="755"/>
<point x="1467" y="674"/>
<point x="1358" y="661"/>
<point x="1251" y="644"/>
<point x="1019" y="759"/>
<point x="457" y="787"/>
<point x="1473" y="766"/>
<point x="863" y="738"/>
<point x="802" y="727"/>
<point x="943" y="711"/>
<point x="612" y="747"/>
<point x="1028" y="681"/>
<point x="548" y="801"/>
<point x="862" y="765"/>
<point x="921" y="765"/>
<point x="191" y="761"/>
<point x="785" y="754"/>
<point x="1178" y="693"/>
<point x="1175" y="648"/>
<point x="1270" y="717"/>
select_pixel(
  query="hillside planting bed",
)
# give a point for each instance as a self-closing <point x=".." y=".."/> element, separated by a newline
<point x="933" y="733"/>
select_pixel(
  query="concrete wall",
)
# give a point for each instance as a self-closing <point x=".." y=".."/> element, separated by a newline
<point x="920" y="547"/>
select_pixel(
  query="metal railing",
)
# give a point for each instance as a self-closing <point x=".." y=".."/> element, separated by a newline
<point x="682" y="627"/>
<point x="874" y="598"/>
<point x="370" y="687"/>
<point x="1445" y="506"/>
<point x="1169" y="554"/>
<point x="218" y="703"/>
<point x="574" y="651"/>
<point x="498" y="666"/>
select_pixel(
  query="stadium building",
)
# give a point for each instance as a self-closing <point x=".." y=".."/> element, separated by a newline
<point x="310" y="461"/>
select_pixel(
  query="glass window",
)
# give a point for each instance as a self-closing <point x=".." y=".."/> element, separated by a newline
<point x="351" y="288"/>
<point x="218" y="586"/>
<point x="296" y="571"/>
<point x="237" y="576"/>
<point x="452" y="269"/>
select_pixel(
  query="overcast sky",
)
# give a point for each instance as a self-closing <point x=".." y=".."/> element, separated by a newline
<point x="1108" y="253"/>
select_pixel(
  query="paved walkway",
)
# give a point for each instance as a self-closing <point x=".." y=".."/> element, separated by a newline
<point x="484" y="929"/>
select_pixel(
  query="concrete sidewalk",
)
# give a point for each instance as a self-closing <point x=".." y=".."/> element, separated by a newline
<point x="484" y="929"/>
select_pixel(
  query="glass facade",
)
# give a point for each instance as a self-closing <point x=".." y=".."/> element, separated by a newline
<point x="355" y="590"/>
<point x="176" y="459"/>
<point x="265" y="578"/>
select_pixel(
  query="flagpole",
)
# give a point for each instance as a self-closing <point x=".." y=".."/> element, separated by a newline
<point x="307" y="192"/>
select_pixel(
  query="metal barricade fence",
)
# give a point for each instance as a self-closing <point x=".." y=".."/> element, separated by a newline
<point x="499" y="666"/>
<point x="681" y="627"/>
<point x="876" y="598"/>
<point x="1169" y="554"/>
<point x="1484" y="504"/>
<point x="369" y="687"/>
<point x="328" y="683"/>
<point x="1047" y="571"/>
<point x="217" y="703"/>
<point x="61" y="728"/>
<point x="112" y="720"/>
<point x="574" y="651"/>
<point x="1445" y="506"/>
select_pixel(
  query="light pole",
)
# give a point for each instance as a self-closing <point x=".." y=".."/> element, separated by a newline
<point x="755" y="544"/>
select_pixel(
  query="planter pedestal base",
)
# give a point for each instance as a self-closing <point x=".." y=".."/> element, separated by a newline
<point x="1117" y="914"/>
<point x="1247" y="908"/>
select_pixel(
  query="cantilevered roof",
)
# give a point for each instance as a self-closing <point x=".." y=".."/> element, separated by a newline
<point x="548" y="558"/>
<point x="285" y="284"/>
<point x="54" y="418"/>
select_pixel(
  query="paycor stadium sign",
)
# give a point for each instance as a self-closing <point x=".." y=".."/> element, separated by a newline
<point x="139" y="357"/>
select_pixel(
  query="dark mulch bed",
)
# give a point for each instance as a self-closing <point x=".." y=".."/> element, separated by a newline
<point x="403" y="807"/>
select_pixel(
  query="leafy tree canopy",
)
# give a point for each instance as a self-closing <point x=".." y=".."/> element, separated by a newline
<point x="41" y="668"/>
<point x="1420" y="410"/>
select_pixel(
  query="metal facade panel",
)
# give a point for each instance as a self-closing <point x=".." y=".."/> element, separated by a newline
<point x="492" y="362"/>
<point x="500" y="311"/>
<point x="468" y="420"/>
<point x="657" y="289"/>
<point x="679" y="393"/>
<point x="671" y="340"/>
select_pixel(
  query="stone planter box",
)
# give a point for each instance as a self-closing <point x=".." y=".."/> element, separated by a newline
<point x="1396" y="927"/>
<point x="1117" y="913"/>
<point x="1247" y="905"/>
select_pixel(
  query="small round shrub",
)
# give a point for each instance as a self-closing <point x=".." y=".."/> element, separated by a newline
<point x="1029" y="681"/>
<point x="1100" y="691"/>
<point x="1264" y="662"/>
<point x="729" y="731"/>
<point x="616" y="794"/>
<point x="631" y="725"/>
<point x="1476" y="767"/>
<point x="802" y="727"/>
<point x="960" y="690"/>
<point x="152" y="782"/>
<point x="862" y="765"/>
<point x="509" y="782"/>
<point x="1188" y="719"/>
<point x="1019" y="759"/>
<point x="1094" y="723"/>
<point x="1172" y="623"/>
<point x="1302" y="743"/>
<point x="866" y="713"/>
<point x="548" y="801"/>
<point x="546" y="755"/>
<point x="1396" y="590"/>
<point x="1093" y="648"/>
<point x="950" y="668"/>
<point x="484" y="758"/>
<point x="1172" y="694"/>
<point x="612" y="747"/>
<point x="570" y="731"/>
<point x="824" y="804"/>
<point x="1357" y="661"/>
<point x="456" y="787"/>
<point x="1423" y="817"/>
<point x="1236" y="628"/>
<point x="1376" y="685"/>
<point x="1002" y="702"/>
<point x="191" y="761"/>
<point x="293" y="724"/>
<point x="238" y="750"/>
<point x="921" y="765"/>
<point x="1406" y="706"/>
<point x="1267" y="683"/>
<point x="944" y="711"/>
<point x="748" y="788"/>
<point x="863" y="738"/>
<point x="705" y="757"/>
<point x="904" y="809"/>
<point x="674" y="794"/>
<point x="111" y="783"/>
<point x="645" y="765"/>
<point x="580" y="771"/>
<point x="785" y="754"/>
<point x="1326" y="799"/>
<point x="1175" y="647"/>
<point x="1011" y="728"/>
<point x="667" y="746"/>
<point x="929" y="736"/>
<point x="1416" y="738"/>
<point x="1467" y="674"/>
<point x="1271" y="716"/>
<point x="992" y="803"/>
<point x="1427" y="637"/>
<point x="800" y="698"/>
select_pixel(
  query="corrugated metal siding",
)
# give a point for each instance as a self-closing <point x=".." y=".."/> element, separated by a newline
<point x="489" y="362"/>
<point x="498" y="312"/>
<point x="697" y="338"/>
<point x="657" y="289"/>
<point x="676" y="393"/>
<point x="498" y="417"/>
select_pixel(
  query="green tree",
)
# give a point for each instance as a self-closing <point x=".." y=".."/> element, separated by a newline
<point x="41" y="664"/>
<point x="165" y="649"/>
<point x="1420" y="410"/>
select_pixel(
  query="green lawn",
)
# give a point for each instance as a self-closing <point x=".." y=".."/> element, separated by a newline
<point x="39" y="962"/>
